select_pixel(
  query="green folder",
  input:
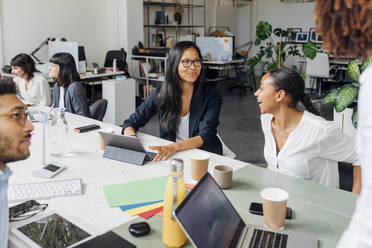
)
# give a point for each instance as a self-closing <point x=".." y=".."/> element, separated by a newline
<point x="135" y="192"/>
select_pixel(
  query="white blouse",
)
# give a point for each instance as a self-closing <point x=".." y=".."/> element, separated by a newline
<point x="38" y="91"/>
<point x="358" y="234"/>
<point x="311" y="151"/>
<point x="183" y="129"/>
<point x="61" y="103"/>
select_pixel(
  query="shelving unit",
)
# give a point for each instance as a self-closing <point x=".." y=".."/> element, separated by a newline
<point x="147" y="79"/>
<point x="190" y="23"/>
<point x="189" y="8"/>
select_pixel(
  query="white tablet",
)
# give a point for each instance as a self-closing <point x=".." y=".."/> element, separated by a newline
<point x="52" y="230"/>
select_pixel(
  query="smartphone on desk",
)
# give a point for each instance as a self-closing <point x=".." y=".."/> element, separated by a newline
<point x="87" y="128"/>
<point x="256" y="208"/>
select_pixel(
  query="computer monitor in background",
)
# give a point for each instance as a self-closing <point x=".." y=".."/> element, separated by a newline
<point x="68" y="47"/>
<point x="64" y="47"/>
<point x="81" y="53"/>
<point x="82" y="59"/>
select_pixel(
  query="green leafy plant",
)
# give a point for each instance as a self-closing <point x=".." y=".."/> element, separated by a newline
<point x="343" y="97"/>
<point x="273" y="54"/>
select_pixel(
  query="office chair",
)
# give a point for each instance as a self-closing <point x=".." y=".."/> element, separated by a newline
<point x="98" y="109"/>
<point x="121" y="57"/>
<point x="318" y="70"/>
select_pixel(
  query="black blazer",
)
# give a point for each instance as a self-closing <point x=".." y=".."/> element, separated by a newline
<point x="204" y="118"/>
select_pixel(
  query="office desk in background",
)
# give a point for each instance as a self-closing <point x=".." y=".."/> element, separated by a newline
<point x="320" y="211"/>
<point x="120" y="94"/>
<point x="83" y="76"/>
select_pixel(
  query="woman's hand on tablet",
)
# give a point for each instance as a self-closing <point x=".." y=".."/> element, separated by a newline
<point x="164" y="152"/>
<point x="129" y="131"/>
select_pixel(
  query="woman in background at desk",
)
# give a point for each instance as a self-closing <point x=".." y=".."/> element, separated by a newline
<point x="188" y="111"/>
<point x="68" y="92"/>
<point x="32" y="86"/>
<point x="301" y="143"/>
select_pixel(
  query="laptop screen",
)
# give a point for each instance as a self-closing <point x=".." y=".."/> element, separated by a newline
<point x="208" y="217"/>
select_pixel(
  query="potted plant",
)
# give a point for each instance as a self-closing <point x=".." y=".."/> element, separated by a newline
<point x="272" y="54"/>
<point x="346" y="95"/>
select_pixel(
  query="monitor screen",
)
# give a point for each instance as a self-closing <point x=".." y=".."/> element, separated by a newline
<point x="208" y="217"/>
<point x="81" y="53"/>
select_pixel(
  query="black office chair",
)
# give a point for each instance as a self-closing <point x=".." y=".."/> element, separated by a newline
<point x="120" y="56"/>
<point x="98" y="109"/>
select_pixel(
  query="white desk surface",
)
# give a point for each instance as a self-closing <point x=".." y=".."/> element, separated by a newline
<point x="87" y="163"/>
<point x="321" y="211"/>
<point x="106" y="74"/>
<point x="223" y="62"/>
<point x="83" y="75"/>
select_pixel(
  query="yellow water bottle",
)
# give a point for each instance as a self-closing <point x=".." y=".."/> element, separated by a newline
<point x="175" y="192"/>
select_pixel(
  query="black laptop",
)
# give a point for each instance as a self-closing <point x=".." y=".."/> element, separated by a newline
<point x="209" y="220"/>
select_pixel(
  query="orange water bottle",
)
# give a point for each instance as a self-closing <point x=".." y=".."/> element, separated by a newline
<point x="175" y="192"/>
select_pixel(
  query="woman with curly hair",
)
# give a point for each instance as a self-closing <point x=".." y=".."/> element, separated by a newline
<point x="346" y="28"/>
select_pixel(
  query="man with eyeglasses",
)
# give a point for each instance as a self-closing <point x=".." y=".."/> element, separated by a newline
<point x="15" y="136"/>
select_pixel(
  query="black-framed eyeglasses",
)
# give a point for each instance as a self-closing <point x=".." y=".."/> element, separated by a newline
<point x="32" y="212"/>
<point x="20" y="115"/>
<point x="188" y="62"/>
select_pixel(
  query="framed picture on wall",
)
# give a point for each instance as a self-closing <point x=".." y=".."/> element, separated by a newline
<point x="292" y="34"/>
<point x="312" y="35"/>
<point x="319" y="39"/>
<point x="302" y="37"/>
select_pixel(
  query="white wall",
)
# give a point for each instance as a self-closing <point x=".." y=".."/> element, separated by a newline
<point x="244" y="24"/>
<point x="97" y="25"/>
<point x="284" y="15"/>
<point x="227" y="16"/>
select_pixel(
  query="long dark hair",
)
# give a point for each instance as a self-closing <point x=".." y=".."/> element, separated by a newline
<point x="26" y="63"/>
<point x="293" y="84"/>
<point x="67" y="69"/>
<point x="169" y="97"/>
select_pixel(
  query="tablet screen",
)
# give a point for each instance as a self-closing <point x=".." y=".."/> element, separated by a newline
<point x="53" y="231"/>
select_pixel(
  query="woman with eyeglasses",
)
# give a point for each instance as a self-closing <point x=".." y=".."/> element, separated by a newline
<point x="188" y="109"/>
<point x="32" y="86"/>
<point x="68" y="92"/>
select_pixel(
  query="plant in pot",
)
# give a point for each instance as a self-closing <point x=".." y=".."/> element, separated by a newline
<point x="273" y="51"/>
<point x="346" y="95"/>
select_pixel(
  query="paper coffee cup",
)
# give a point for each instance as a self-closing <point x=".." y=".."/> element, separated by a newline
<point x="222" y="174"/>
<point x="274" y="203"/>
<point x="199" y="165"/>
<point x="102" y="143"/>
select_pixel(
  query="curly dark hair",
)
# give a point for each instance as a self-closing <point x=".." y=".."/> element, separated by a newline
<point x="345" y="26"/>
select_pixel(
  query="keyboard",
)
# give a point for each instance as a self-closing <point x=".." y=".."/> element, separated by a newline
<point x="262" y="238"/>
<point x="44" y="190"/>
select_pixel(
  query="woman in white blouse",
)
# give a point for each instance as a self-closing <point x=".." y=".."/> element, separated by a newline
<point x="32" y="86"/>
<point x="301" y="143"/>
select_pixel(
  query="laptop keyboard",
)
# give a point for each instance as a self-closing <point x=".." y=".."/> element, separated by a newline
<point x="267" y="239"/>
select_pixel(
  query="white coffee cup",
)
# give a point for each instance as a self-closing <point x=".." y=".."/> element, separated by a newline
<point x="222" y="174"/>
<point x="199" y="164"/>
<point x="274" y="205"/>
